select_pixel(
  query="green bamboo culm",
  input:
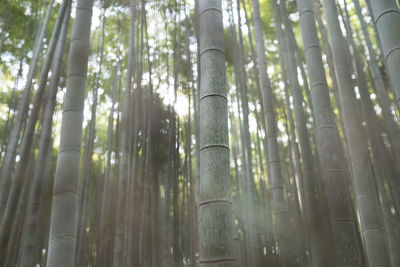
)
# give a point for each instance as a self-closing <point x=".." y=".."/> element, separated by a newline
<point x="363" y="180"/>
<point x="317" y="237"/>
<point x="329" y="145"/>
<point x="382" y="92"/>
<point x="7" y="166"/>
<point x="64" y="212"/>
<point x="32" y="217"/>
<point x="215" y="200"/>
<point x="386" y="15"/>
<point x="281" y="211"/>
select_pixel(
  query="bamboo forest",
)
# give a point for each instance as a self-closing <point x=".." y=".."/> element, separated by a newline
<point x="201" y="133"/>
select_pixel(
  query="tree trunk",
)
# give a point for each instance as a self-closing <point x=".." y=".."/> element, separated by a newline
<point x="87" y="176"/>
<point x="215" y="205"/>
<point x="329" y="144"/>
<point x="386" y="15"/>
<point x="329" y="58"/>
<point x="377" y="145"/>
<point x="63" y="225"/>
<point x="287" y="254"/>
<point x="105" y="220"/>
<point x="26" y="145"/>
<point x="13" y="101"/>
<point x="9" y="159"/>
<point x="385" y="103"/>
<point x="248" y="180"/>
<point x="318" y="239"/>
<point x="30" y="236"/>
<point x="124" y="165"/>
<point x="364" y="186"/>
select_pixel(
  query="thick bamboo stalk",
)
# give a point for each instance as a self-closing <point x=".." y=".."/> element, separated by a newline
<point x="64" y="217"/>
<point x="215" y="204"/>
<point x="364" y="186"/>
<point x="283" y="233"/>
<point x="386" y="15"/>
<point x="30" y="235"/>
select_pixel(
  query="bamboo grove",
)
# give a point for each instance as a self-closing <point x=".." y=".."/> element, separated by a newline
<point x="171" y="133"/>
